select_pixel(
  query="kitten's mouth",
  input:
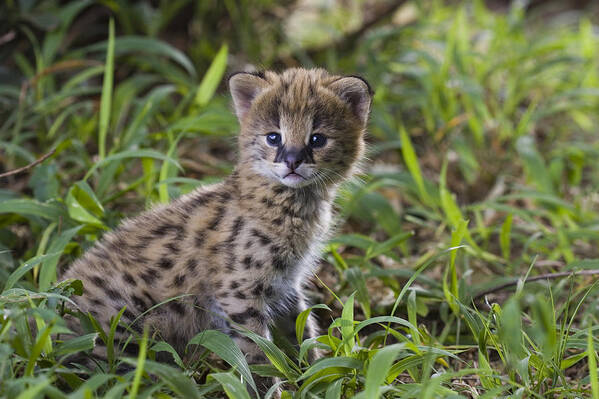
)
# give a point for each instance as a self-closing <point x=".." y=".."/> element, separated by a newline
<point x="294" y="175"/>
<point x="293" y="179"/>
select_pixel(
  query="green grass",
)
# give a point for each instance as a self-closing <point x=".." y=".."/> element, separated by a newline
<point x="482" y="172"/>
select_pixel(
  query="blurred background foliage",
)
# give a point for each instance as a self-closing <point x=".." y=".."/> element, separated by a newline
<point x="482" y="169"/>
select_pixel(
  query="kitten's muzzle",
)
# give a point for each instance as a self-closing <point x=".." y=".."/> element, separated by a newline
<point x="293" y="157"/>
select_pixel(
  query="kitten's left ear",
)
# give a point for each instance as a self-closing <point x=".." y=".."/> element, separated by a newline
<point x="356" y="92"/>
<point x="245" y="87"/>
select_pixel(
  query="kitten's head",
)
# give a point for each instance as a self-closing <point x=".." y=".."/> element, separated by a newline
<point x="301" y="127"/>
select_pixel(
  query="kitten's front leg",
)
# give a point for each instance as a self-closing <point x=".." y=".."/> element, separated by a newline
<point x="286" y="320"/>
<point x="248" y="315"/>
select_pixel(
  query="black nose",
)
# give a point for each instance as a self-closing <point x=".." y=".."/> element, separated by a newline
<point x="294" y="158"/>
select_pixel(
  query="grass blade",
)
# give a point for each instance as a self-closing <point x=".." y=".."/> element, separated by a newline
<point x="593" y="372"/>
<point x="106" y="101"/>
<point x="212" y="78"/>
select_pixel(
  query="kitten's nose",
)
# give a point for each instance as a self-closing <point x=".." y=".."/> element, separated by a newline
<point x="294" y="158"/>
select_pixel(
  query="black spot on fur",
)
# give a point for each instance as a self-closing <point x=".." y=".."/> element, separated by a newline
<point x="264" y="239"/>
<point x="129" y="279"/>
<point x="179" y="280"/>
<point x="257" y="291"/>
<point x="165" y="229"/>
<point x="247" y="262"/>
<point x="234" y="285"/>
<point x="173" y="248"/>
<point x="150" y="298"/>
<point x="165" y="264"/>
<point x="249" y="313"/>
<point x="138" y="302"/>
<point x="225" y="196"/>
<point x="220" y="212"/>
<point x="96" y="302"/>
<point x="277" y="221"/>
<point x="240" y="295"/>
<point x="230" y="266"/>
<point x="237" y="226"/>
<point x="268" y="202"/>
<point x="150" y="276"/>
<point x="113" y="294"/>
<point x="98" y="281"/>
<point x="202" y="199"/>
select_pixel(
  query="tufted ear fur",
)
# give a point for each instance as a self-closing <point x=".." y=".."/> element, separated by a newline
<point x="356" y="92"/>
<point x="245" y="87"/>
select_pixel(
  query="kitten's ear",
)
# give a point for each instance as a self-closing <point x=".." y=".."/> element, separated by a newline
<point x="245" y="87"/>
<point x="356" y="92"/>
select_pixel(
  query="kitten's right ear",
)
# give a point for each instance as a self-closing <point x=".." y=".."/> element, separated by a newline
<point x="245" y="87"/>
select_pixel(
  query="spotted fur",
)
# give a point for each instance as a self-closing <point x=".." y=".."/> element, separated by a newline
<point x="238" y="252"/>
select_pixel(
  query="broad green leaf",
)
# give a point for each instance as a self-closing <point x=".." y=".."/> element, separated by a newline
<point x="534" y="164"/>
<point x="334" y="390"/>
<point x="29" y="207"/>
<point x="137" y="44"/>
<point x="384" y="319"/>
<point x="77" y="344"/>
<point x="334" y="363"/>
<point x="274" y="354"/>
<point x="356" y="278"/>
<point x="48" y="269"/>
<point x="130" y="154"/>
<point x="35" y="390"/>
<point x="384" y="247"/>
<point x="223" y="346"/>
<point x="24" y="268"/>
<point x="347" y="326"/>
<point x="77" y="210"/>
<point x="584" y="264"/>
<point x="231" y="384"/>
<point x="41" y="341"/>
<point x="165" y="347"/>
<point x="175" y="379"/>
<point x="354" y="240"/>
<point x="302" y="318"/>
<point x="378" y="368"/>
<point x="415" y="335"/>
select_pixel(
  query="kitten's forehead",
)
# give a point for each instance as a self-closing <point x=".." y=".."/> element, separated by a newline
<point x="299" y="104"/>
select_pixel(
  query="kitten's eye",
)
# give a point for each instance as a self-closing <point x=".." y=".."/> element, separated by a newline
<point x="317" y="140"/>
<point x="273" y="139"/>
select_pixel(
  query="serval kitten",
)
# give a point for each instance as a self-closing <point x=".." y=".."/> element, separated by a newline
<point x="239" y="251"/>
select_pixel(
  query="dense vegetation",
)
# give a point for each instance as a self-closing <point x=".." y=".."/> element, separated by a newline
<point x="466" y="259"/>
